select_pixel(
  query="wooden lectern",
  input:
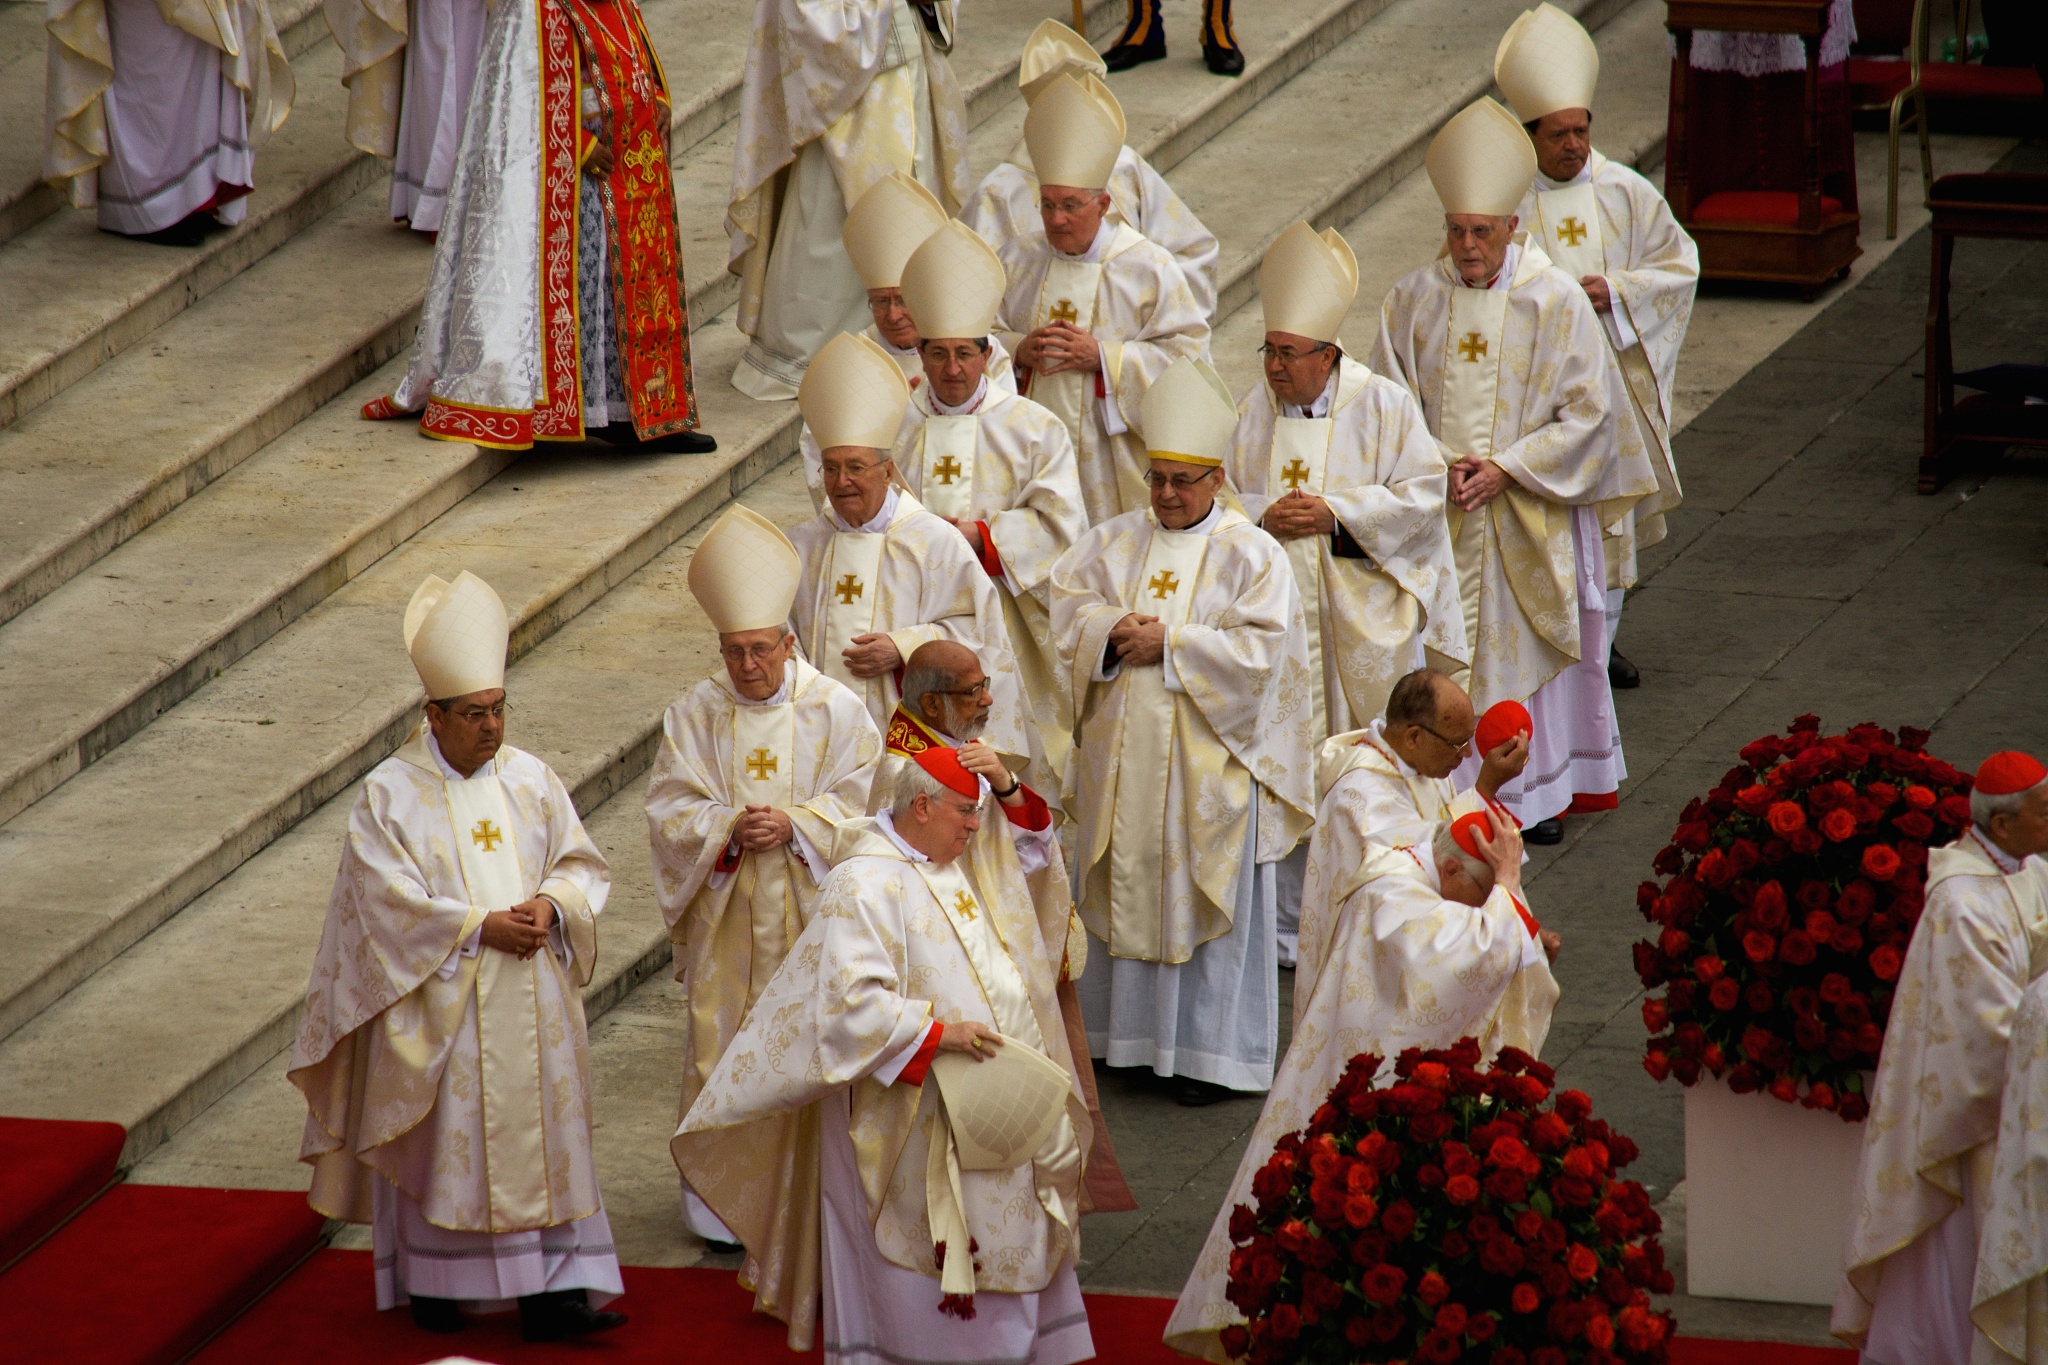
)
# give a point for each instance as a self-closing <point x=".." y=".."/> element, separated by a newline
<point x="1754" y="231"/>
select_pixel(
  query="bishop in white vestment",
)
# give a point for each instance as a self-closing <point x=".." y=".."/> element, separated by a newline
<point x="1608" y="228"/>
<point x="758" y="765"/>
<point x="2009" y="1298"/>
<point x="951" y="1199"/>
<point x="409" y="72"/>
<point x="442" y="1051"/>
<point x="1182" y="636"/>
<point x="1924" y="1186"/>
<point x="1522" y="393"/>
<point x="1005" y="205"/>
<point x="1436" y="944"/>
<point x="1093" y="312"/>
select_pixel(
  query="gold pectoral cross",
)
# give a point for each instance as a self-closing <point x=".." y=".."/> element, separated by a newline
<point x="1471" y="346"/>
<point x="1064" y="311"/>
<point x="760" y="764"/>
<point x="1164" y="584"/>
<point x="1295" y="475"/>
<point x="963" y="905"/>
<point x="1571" y="232"/>
<point x="848" y="588"/>
<point x="487" y="835"/>
<point x="946" y="470"/>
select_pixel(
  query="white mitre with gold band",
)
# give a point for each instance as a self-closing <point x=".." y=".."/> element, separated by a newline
<point x="1073" y="136"/>
<point x="457" y="634"/>
<point x="1307" y="282"/>
<point x="853" y="395"/>
<point x="886" y="224"/>
<point x="1546" y="61"/>
<point x="953" y="284"/>
<point x="1188" y="415"/>
<point x="1052" y="50"/>
<point x="1481" y="161"/>
<point x="745" y="572"/>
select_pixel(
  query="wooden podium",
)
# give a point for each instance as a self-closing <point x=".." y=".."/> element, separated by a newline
<point x="1756" y="231"/>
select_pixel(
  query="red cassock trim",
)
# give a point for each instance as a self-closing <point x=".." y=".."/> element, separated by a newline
<point x="921" y="1064"/>
<point x="1033" y="815"/>
<point x="500" y="430"/>
<point x="991" y="558"/>
<point x="728" y="859"/>
<point x="1529" y="921"/>
<point x="558" y="414"/>
<point x="1589" y="803"/>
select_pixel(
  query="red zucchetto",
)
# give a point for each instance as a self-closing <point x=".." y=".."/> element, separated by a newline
<point x="2005" y="773"/>
<point x="1502" y="722"/>
<point x="944" y="764"/>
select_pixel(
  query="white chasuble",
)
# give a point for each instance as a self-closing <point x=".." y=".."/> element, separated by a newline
<point x="850" y="575"/>
<point x="1567" y="223"/>
<point x="1299" y="463"/>
<point x="1472" y="360"/>
<point x="1067" y="295"/>
<point x="764" y="774"/>
<point x="947" y="487"/>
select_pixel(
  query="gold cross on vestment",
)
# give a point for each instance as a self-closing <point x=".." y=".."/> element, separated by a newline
<point x="488" y="835"/>
<point x="760" y="765"/>
<point x="1164" y="585"/>
<point x="1471" y="346"/>
<point x="946" y="470"/>
<point x="1064" y="311"/>
<point x="1295" y="475"/>
<point x="849" y="588"/>
<point x="644" y="158"/>
<point x="963" y="906"/>
<point x="1571" y="232"/>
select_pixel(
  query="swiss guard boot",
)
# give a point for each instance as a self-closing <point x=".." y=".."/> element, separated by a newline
<point x="1143" y="38"/>
<point x="1219" y="44"/>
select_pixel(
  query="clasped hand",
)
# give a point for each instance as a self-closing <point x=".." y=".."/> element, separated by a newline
<point x="1296" y="514"/>
<point x="761" y="828"/>
<point x="1138" y="639"/>
<point x="1475" y="482"/>
<point x="521" y="931"/>
<point x="872" y="656"/>
<point x="1059" y="346"/>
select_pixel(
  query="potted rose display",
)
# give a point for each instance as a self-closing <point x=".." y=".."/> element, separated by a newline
<point x="1452" y="1214"/>
<point x="1791" y="891"/>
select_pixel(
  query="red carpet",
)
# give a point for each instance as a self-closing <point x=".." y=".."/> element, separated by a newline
<point x="48" y="1168"/>
<point x="325" y="1314"/>
<point x="148" y="1271"/>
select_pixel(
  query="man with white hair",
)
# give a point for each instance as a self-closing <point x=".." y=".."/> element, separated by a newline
<point x="917" y="1013"/>
<point x="1611" y="230"/>
<point x="757" y="766"/>
<point x="1005" y="204"/>
<point x="1436" y="944"/>
<point x="442" y="1051"/>
<point x="1181" y="634"/>
<point x="1523" y="395"/>
<point x="1094" y="312"/>
<point x="1924" y="1185"/>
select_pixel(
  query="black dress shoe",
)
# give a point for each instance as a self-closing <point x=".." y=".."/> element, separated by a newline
<point x="621" y="436"/>
<point x="1143" y="38"/>
<point x="436" y="1315"/>
<point x="188" y="231"/>
<point x="564" y="1313"/>
<point x="1621" y="674"/>
<point x="1194" y="1094"/>
<point x="717" y="1248"/>
<point x="1224" y="61"/>
<point x="1549" y="831"/>
<point x="1124" y="56"/>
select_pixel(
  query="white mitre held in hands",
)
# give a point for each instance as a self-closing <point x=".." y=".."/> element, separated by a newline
<point x="446" y="991"/>
<point x="758" y="763"/>
<point x="950" y="1197"/>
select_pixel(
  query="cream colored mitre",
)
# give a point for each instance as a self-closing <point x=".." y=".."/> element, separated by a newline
<point x="953" y="284"/>
<point x="1092" y="83"/>
<point x="1189" y="415"/>
<point x="886" y="224"/>
<point x="1481" y="161"/>
<point x="1053" y="49"/>
<point x="745" y="572"/>
<point x="1307" y="282"/>
<point x="853" y="395"/>
<point x="1002" y="1107"/>
<point x="457" y="634"/>
<point x="1072" y="136"/>
<point x="1546" y="62"/>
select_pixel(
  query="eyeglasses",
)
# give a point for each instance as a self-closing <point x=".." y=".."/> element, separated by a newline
<point x="1180" y="483"/>
<point x="475" y="715"/>
<point x="980" y="689"/>
<point x="962" y="356"/>
<point x="856" y="470"/>
<point x="752" y="654"/>
<point x="1269" y="351"/>
<point x="1457" y="746"/>
<point x="1069" y="207"/>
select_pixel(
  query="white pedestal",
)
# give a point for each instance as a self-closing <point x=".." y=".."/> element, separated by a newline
<point x="1767" y="1194"/>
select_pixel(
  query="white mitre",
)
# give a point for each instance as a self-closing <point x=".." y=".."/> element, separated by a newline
<point x="745" y="572"/>
<point x="1051" y="50"/>
<point x="457" y="634"/>
<point x="1307" y="282"/>
<point x="1481" y="161"/>
<point x="886" y="224"/>
<point x="1188" y="415"/>
<point x="853" y="395"/>
<point x="953" y="284"/>
<point x="1073" y="136"/>
<point x="1546" y="62"/>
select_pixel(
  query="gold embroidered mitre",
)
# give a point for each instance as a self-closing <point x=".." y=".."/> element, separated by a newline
<point x="1052" y="50"/>
<point x="886" y="224"/>
<point x="1073" y="136"/>
<point x="1546" y="62"/>
<point x="1481" y="161"/>
<point x="1307" y="282"/>
<point x="456" y="634"/>
<point x="853" y="395"/>
<point x="745" y="572"/>
<point x="953" y="284"/>
<point x="1188" y="415"/>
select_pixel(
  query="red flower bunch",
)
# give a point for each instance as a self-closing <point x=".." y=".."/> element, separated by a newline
<point x="1448" y="1216"/>
<point x="1793" y="888"/>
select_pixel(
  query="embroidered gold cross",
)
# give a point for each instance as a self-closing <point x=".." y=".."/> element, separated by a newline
<point x="1164" y="585"/>
<point x="1471" y="346"/>
<point x="1064" y="311"/>
<point x="963" y="906"/>
<point x="1571" y="232"/>
<point x="644" y="158"/>
<point x="849" y="588"/>
<point x="1295" y="475"/>
<point x="760" y="765"/>
<point x="946" y="470"/>
<point x="488" y="835"/>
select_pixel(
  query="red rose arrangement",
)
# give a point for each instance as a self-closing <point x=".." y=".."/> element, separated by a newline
<point x="1793" y="888"/>
<point x="1451" y="1215"/>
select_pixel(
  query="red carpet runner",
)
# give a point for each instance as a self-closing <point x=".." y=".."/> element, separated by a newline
<point x="47" y="1169"/>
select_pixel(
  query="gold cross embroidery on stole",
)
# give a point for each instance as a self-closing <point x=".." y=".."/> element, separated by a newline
<point x="761" y="764"/>
<point x="1164" y="584"/>
<point x="1064" y="311"/>
<point x="963" y="906"/>
<point x="946" y="470"/>
<point x="487" y="836"/>
<point x="1471" y="347"/>
<point x="1295" y="475"/>
<point x="1571" y="232"/>
<point x="849" y="588"/>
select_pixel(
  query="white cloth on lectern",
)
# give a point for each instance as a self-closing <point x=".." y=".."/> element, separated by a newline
<point x="177" y="128"/>
<point x="485" y="1271"/>
<point x="442" y="46"/>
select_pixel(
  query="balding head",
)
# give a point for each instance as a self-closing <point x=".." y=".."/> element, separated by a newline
<point x="1429" y="722"/>
<point x="944" y="686"/>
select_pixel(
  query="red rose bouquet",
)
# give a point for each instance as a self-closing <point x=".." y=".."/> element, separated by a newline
<point x="1793" y="888"/>
<point x="1448" y="1216"/>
